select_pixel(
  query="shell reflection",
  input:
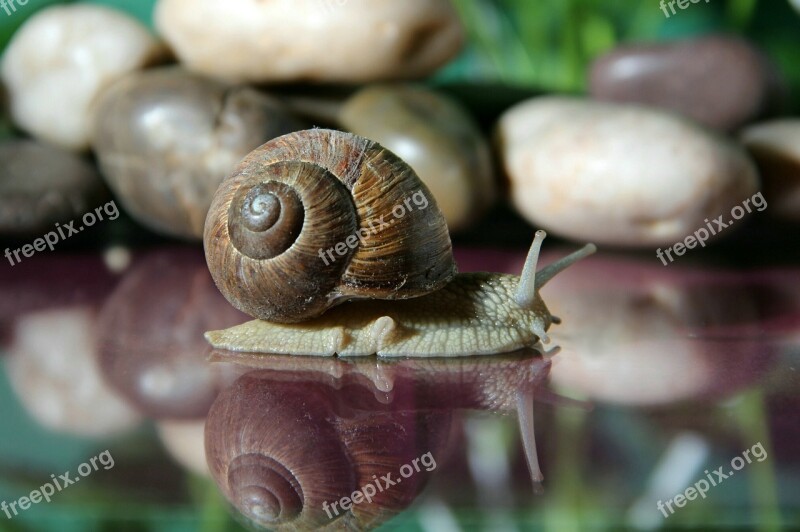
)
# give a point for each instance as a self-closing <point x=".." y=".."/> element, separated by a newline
<point x="293" y="436"/>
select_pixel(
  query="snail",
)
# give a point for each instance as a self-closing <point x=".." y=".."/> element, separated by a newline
<point x="284" y="452"/>
<point x="315" y="218"/>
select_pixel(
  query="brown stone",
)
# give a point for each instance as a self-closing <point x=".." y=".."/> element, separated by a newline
<point x="722" y="82"/>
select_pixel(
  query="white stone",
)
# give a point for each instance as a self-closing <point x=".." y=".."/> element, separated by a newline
<point x="61" y="58"/>
<point x="318" y="40"/>
<point x="618" y="174"/>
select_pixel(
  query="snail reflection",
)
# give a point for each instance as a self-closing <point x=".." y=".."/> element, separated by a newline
<point x="294" y="435"/>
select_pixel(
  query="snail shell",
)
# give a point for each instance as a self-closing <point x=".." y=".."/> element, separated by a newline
<point x="317" y="217"/>
<point x="280" y="449"/>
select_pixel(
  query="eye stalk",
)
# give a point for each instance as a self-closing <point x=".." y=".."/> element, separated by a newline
<point x="530" y="281"/>
<point x="526" y="289"/>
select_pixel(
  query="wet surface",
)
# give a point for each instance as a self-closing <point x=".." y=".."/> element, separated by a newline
<point x="663" y="373"/>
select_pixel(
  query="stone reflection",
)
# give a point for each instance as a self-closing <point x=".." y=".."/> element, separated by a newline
<point x="151" y="341"/>
<point x="183" y="440"/>
<point x="645" y="334"/>
<point x="292" y="433"/>
<point x="152" y="349"/>
<point x="89" y="352"/>
<point x="51" y="281"/>
<point x="53" y="371"/>
<point x="49" y="313"/>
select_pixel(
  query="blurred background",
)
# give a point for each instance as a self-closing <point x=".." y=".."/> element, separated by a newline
<point x="548" y="45"/>
<point x="628" y="124"/>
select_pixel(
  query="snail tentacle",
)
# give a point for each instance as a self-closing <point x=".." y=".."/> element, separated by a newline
<point x="526" y="290"/>
<point x="551" y="270"/>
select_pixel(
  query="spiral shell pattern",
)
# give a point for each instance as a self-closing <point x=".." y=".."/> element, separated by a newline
<point x="318" y="217"/>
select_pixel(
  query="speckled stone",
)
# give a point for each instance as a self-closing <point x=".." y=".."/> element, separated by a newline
<point x="618" y="174"/>
<point x="722" y="82"/>
<point x="41" y="184"/>
<point x="165" y="139"/>
<point x="775" y="145"/>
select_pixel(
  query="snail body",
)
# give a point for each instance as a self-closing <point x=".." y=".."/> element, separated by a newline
<point x="318" y="217"/>
<point x="475" y="314"/>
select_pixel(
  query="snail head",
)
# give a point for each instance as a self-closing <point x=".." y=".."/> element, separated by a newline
<point x="530" y="282"/>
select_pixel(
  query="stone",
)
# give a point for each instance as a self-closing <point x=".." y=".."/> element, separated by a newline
<point x="352" y="41"/>
<point x="775" y="145"/>
<point x="41" y="184"/>
<point x="436" y="137"/>
<point x="165" y="139"/>
<point x="61" y="58"/>
<point x="722" y="82"/>
<point x="618" y="174"/>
